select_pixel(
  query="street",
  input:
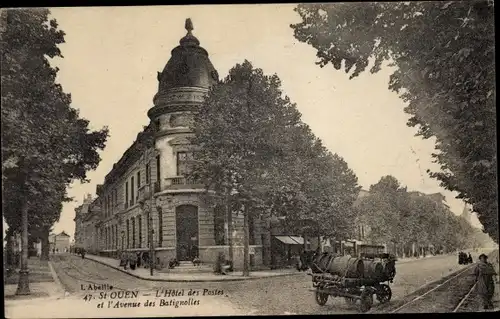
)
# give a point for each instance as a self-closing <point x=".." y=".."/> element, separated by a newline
<point x="273" y="296"/>
<point x="101" y="291"/>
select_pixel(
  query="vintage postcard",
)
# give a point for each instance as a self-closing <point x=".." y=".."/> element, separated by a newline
<point x="270" y="159"/>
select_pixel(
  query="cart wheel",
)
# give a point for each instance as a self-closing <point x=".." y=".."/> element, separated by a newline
<point x="384" y="293"/>
<point x="366" y="301"/>
<point x="321" y="298"/>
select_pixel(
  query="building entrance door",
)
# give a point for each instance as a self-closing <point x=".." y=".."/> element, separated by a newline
<point x="186" y="217"/>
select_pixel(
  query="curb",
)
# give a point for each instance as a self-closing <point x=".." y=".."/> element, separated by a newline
<point x="193" y="280"/>
<point x="56" y="279"/>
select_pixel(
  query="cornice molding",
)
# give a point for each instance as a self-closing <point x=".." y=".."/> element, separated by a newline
<point x="158" y="110"/>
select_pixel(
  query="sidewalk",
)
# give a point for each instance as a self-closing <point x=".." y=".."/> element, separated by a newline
<point x="143" y="273"/>
<point x="44" y="284"/>
<point x="411" y="259"/>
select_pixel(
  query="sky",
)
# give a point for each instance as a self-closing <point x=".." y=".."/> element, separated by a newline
<point x="112" y="56"/>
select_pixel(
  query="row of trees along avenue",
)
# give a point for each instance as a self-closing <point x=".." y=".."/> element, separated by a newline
<point x="45" y="143"/>
<point x="412" y="223"/>
<point x="260" y="159"/>
<point x="445" y="58"/>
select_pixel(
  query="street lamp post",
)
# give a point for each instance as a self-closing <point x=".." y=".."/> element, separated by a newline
<point x="147" y="207"/>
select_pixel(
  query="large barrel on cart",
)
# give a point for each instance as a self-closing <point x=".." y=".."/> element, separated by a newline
<point x="355" y="279"/>
<point x="344" y="266"/>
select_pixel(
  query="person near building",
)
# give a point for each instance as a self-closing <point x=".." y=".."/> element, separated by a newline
<point x="132" y="260"/>
<point x="485" y="284"/>
<point x="124" y="260"/>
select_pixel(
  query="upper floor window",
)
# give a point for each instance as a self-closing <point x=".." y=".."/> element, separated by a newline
<point x="158" y="172"/>
<point x="184" y="159"/>
<point x="148" y="173"/>
<point x="110" y="204"/>
<point x="138" y="179"/>
<point x="126" y="194"/>
<point x="132" y="191"/>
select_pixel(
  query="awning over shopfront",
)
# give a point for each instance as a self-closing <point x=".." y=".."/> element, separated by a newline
<point x="300" y="240"/>
<point x="291" y="240"/>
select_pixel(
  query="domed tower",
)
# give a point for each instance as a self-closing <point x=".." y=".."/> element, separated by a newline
<point x="183" y="84"/>
<point x="182" y="87"/>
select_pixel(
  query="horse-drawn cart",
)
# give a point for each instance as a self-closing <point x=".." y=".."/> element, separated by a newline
<point x="355" y="279"/>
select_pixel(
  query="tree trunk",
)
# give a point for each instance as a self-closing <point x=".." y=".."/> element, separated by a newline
<point x="45" y="244"/>
<point x="269" y="250"/>
<point x="23" y="287"/>
<point x="9" y="251"/>
<point x="246" y="244"/>
<point x="229" y="214"/>
<point x="305" y="241"/>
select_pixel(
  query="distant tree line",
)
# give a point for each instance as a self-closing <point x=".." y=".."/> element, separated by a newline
<point x="408" y="220"/>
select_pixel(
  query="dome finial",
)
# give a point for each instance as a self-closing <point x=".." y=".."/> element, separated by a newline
<point x="189" y="39"/>
<point x="189" y="25"/>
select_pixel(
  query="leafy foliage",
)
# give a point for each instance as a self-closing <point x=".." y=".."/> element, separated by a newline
<point x="448" y="82"/>
<point x="250" y="140"/>
<point x="392" y="214"/>
<point x="45" y="144"/>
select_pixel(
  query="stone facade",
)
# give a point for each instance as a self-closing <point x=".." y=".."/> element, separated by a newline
<point x="148" y="184"/>
<point x="59" y="242"/>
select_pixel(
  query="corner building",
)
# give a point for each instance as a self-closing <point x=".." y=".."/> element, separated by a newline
<point x="185" y="221"/>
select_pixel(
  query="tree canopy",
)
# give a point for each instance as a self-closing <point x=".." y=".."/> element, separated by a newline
<point x="45" y="144"/>
<point x="447" y="82"/>
<point x="391" y="214"/>
<point x="249" y="138"/>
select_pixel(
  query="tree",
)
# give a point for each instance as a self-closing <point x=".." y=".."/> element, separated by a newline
<point x="448" y="82"/>
<point x="251" y="144"/>
<point x="46" y="145"/>
<point x="235" y="138"/>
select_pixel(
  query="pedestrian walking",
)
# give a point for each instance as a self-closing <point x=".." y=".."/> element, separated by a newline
<point x="485" y="285"/>
<point x="83" y="253"/>
<point x="124" y="260"/>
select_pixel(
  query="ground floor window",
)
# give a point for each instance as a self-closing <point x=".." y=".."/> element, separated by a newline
<point x="251" y="229"/>
<point x="128" y="233"/>
<point x="139" y="222"/>
<point x="133" y="232"/>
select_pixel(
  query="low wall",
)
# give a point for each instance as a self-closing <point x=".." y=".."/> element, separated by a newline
<point x="208" y="255"/>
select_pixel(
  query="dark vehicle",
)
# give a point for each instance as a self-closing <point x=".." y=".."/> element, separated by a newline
<point x="464" y="259"/>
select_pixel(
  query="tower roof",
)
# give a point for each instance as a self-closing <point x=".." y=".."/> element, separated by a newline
<point x="189" y="65"/>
